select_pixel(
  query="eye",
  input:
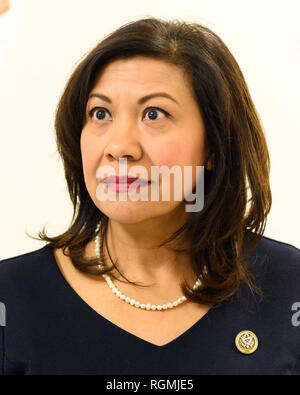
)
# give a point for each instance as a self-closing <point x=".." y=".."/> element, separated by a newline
<point x="152" y="111"/>
<point x="98" y="113"/>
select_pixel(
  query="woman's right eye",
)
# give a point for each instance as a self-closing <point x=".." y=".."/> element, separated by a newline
<point x="98" y="113"/>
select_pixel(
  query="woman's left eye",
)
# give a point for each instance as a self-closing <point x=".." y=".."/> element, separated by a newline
<point x="152" y="111"/>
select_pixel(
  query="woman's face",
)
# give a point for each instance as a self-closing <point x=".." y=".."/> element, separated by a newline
<point x="142" y="132"/>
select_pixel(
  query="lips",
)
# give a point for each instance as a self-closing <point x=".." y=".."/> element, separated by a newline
<point x="124" y="180"/>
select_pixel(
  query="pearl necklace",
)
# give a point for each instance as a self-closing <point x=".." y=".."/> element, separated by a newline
<point x="132" y="301"/>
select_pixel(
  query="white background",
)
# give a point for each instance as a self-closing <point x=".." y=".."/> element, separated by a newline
<point x="41" y="41"/>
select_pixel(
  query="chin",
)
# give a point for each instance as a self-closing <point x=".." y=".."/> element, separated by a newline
<point x="134" y="212"/>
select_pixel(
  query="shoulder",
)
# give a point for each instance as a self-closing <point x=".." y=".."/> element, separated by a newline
<point x="278" y="249"/>
<point x="24" y="262"/>
<point x="24" y="270"/>
<point x="276" y="266"/>
<point x="277" y="256"/>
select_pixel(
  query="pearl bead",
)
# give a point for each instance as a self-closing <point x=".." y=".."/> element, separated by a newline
<point x="143" y="305"/>
<point x="164" y="306"/>
<point x="127" y="299"/>
<point x="153" y="307"/>
<point x="159" y="307"/>
<point x="137" y="304"/>
<point x="148" y="306"/>
<point x="132" y="302"/>
<point x="170" y="305"/>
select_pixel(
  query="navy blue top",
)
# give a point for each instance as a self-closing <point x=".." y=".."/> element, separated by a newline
<point x="49" y="329"/>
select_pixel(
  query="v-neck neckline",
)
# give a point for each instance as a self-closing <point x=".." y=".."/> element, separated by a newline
<point x="90" y="310"/>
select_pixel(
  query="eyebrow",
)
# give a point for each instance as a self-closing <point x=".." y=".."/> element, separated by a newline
<point x="142" y="100"/>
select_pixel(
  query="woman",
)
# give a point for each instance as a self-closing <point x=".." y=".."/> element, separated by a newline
<point x="152" y="286"/>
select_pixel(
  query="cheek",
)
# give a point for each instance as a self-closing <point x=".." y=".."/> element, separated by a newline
<point x="182" y="152"/>
<point x="89" y="152"/>
<point x="167" y="154"/>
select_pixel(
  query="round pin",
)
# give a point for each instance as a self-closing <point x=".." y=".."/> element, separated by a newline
<point x="246" y="342"/>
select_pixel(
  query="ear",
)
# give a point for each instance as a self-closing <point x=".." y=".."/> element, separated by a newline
<point x="210" y="162"/>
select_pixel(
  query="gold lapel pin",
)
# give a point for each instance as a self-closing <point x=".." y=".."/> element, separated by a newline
<point x="246" y="342"/>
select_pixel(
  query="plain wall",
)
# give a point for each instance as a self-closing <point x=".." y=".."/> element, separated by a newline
<point x="42" y="41"/>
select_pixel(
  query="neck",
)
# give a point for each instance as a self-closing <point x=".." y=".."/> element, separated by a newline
<point x="140" y="259"/>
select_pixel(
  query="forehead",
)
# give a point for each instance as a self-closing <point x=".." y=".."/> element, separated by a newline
<point x="142" y="71"/>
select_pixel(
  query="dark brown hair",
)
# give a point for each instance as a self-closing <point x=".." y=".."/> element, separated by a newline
<point x="237" y="191"/>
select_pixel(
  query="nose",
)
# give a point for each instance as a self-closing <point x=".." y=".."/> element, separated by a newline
<point x="123" y="143"/>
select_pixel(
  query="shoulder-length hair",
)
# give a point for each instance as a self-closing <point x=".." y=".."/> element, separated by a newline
<point x="237" y="190"/>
